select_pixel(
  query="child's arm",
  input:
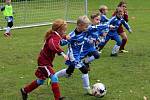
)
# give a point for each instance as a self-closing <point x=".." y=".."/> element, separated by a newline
<point x="126" y="25"/>
<point x="105" y="18"/>
<point x="64" y="42"/>
<point x="2" y="8"/>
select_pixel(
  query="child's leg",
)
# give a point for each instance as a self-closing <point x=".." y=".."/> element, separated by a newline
<point x="92" y="56"/>
<point x="55" y="86"/>
<point x="9" y="25"/>
<point x="85" y="79"/>
<point x="115" y="49"/>
<point x="54" y="83"/>
<point x="33" y="85"/>
<point x="124" y="40"/>
<point x="65" y="72"/>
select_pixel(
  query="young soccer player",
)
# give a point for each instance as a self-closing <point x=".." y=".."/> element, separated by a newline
<point x="89" y="52"/>
<point x="121" y="31"/>
<point x="45" y="60"/>
<point x="113" y="33"/>
<point x="75" y="45"/>
<point x="8" y="13"/>
<point x="103" y="9"/>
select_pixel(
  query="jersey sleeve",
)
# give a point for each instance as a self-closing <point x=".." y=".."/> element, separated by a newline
<point x="126" y="25"/>
<point x="63" y="42"/>
<point x="54" y="45"/>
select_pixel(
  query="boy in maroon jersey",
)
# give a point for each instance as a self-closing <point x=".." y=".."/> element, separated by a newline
<point x="121" y="31"/>
<point x="45" y="59"/>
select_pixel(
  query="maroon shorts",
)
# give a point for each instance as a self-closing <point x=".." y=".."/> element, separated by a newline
<point x="44" y="72"/>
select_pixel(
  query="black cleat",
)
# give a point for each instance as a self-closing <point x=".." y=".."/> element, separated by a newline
<point x="24" y="95"/>
<point x="114" y="55"/>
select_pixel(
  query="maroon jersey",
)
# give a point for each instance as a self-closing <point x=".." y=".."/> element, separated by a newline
<point x="125" y="17"/>
<point x="51" y="47"/>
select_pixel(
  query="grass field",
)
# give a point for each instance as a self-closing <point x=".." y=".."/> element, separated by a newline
<point x="127" y="77"/>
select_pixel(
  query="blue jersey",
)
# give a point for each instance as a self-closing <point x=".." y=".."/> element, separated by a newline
<point x="115" y="21"/>
<point x="93" y="34"/>
<point x="103" y="19"/>
<point x="75" y="45"/>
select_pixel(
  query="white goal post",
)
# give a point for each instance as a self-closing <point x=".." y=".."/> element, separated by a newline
<point x="30" y="13"/>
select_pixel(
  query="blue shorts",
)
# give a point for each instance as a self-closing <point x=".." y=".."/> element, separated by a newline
<point x="9" y="19"/>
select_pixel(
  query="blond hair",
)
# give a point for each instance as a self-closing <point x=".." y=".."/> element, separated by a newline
<point x="83" y="20"/>
<point x="102" y="7"/>
<point x="95" y="14"/>
<point x="57" y="24"/>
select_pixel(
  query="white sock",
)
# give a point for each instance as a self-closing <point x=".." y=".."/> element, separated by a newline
<point x="115" y="49"/>
<point x="89" y="59"/>
<point x="61" y="73"/>
<point x="7" y="30"/>
<point x="86" y="82"/>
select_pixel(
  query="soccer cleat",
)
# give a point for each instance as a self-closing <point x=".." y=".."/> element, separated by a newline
<point x="123" y="51"/>
<point x="7" y="34"/>
<point x="99" y="51"/>
<point x="24" y="95"/>
<point x="114" y="55"/>
<point x="89" y="91"/>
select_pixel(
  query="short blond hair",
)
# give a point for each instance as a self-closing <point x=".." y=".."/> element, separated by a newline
<point x="83" y="20"/>
<point x="102" y="7"/>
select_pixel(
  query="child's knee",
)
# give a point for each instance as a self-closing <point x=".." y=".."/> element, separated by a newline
<point x="96" y="55"/>
<point x="70" y="70"/>
<point x="10" y="24"/>
<point x="40" y="82"/>
<point x="54" y="78"/>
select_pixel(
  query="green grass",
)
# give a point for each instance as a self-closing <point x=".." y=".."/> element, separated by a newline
<point x="126" y="77"/>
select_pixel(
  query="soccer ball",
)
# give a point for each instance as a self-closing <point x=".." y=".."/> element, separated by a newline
<point x="99" y="90"/>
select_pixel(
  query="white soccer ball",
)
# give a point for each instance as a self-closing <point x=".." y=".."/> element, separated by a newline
<point x="99" y="90"/>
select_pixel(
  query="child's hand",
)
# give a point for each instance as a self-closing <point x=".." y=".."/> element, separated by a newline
<point x="67" y="37"/>
<point x="66" y="57"/>
<point x="111" y="27"/>
<point x="130" y="31"/>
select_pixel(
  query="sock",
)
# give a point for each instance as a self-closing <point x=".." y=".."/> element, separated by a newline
<point x="115" y="49"/>
<point x="89" y="59"/>
<point x="56" y="91"/>
<point x="8" y="30"/>
<point x="61" y="73"/>
<point x="124" y="41"/>
<point x="31" y="87"/>
<point x="86" y="82"/>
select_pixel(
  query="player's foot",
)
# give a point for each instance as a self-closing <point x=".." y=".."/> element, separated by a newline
<point x="7" y="34"/>
<point x="123" y="51"/>
<point x="24" y="95"/>
<point x="100" y="51"/>
<point x="62" y="98"/>
<point x="114" y="55"/>
<point x="89" y="92"/>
